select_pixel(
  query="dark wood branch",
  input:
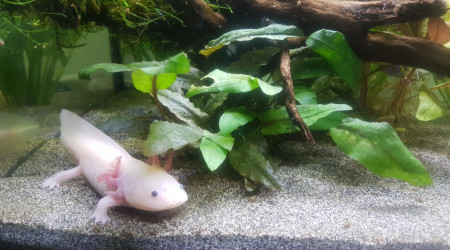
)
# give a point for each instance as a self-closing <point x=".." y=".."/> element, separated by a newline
<point x="350" y="17"/>
<point x="403" y="50"/>
<point x="196" y="14"/>
<point x="288" y="91"/>
<point x="354" y="18"/>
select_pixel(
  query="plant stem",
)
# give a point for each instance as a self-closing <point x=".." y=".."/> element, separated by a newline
<point x="364" y="88"/>
<point x="116" y="57"/>
<point x="155" y="97"/>
<point x="400" y="92"/>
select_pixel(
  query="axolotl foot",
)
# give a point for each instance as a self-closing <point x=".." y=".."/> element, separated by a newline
<point x="50" y="183"/>
<point x="60" y="177"/>
<point x="99" y="217"/>
<point x="100" y="213"/>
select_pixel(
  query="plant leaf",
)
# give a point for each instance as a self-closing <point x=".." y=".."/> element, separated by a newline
<point x="380" y="150"/>
<point x="333" y="47"/>
<point x="225" y="142"/>
<point x="177" y="64"/>
<point x="85" y="74"/>
<point x="143" y="81"/>
<point x="165" y="71"/>
<point x="276" y="121"/>
<point x="250" y="62"/>
<point x="267" y="88"/>
<point x="332" y="120"/>
<point x="305" y="95"/>
<point x="438" y="31"/>
<point x="306" y="68"/>
<point x="273" y="32"/>
<point x="232" y="83"/>
<point x="441" y="86"/>
<point x="215" y="148"/>
<point x="428" y="109"/>
<point x="167" y="135"/>
<point x="249" y="162"/>
<point x="182" y="108"/>
<point x="234" y="118"/>
<point x="214" y="102"/>
<point x="213" y="154"/>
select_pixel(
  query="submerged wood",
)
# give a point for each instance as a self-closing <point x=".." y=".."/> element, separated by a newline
<point x="288" y="92"/>
<point x="202" y="23"/>
<point x="354" y="19"/>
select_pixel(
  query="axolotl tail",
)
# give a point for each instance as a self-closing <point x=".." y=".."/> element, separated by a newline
<point x="75" y="132"/>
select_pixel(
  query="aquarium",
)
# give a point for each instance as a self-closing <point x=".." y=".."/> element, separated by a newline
<point x="224" y="124"/>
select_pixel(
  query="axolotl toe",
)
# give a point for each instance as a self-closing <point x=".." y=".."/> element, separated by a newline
<point x="121" y="179"/>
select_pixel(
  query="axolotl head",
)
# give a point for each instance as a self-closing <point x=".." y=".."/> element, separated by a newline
<point x="151" y="188"/>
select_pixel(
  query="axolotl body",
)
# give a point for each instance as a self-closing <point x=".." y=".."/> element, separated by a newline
<point x="121" y="179"/>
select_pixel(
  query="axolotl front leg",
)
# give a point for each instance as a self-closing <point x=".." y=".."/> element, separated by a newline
<point x="114" y="197"/>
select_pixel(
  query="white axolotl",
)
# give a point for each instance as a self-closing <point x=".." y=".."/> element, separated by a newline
<point x="121" y="179"/>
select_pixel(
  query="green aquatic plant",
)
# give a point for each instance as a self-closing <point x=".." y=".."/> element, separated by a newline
<point x="228" y="115"/>
<point x="33" y="59"/>
<point x="395" y="91"/>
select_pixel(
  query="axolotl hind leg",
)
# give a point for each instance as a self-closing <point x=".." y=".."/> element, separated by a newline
<point x="60" y="177"/>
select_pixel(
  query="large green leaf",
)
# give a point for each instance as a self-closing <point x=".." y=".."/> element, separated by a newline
<point x="305" y="95"/>
<point x="333" y="47"/>
<point x="248" y="161"/>
<point x="332" y="120"/>
<point x="225" y="142"/>
<point x="143" y="82"/>
<point x="177" y="64"/>
<point x="213" y="154"/>
<point x="215" y="148"/>
<point x="164" y="136"/>
<point x="182" y="108"/>
<point x="232" y="83"/>
<point x="305" y="68"/>
<point x="429" y="108"/>
<point x="273" y="32"/>
<point x="234" y="118"/>
<point x="85" y="74"/>
<point x="380" y="150"/>
<point x="214" y="101"/>
<point x="276" y="121"/>
<point x="251" y="62"/>
<point x="143" y="72"/>
<point x="165" y="73"/>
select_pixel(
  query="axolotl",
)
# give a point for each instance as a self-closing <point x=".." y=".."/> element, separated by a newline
<point x="121" y="179"/>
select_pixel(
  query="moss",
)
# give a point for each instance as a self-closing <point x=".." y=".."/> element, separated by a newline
<point x="129" y="16"/>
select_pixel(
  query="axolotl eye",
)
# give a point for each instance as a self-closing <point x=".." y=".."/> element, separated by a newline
<point x="154" y="193"/>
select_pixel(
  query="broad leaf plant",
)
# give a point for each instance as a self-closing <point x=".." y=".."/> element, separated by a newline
<point x="228" y="113"/>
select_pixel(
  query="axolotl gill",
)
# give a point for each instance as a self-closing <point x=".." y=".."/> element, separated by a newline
<point x="121" y="179"/>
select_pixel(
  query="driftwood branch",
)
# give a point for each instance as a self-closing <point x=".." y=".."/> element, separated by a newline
<point x="201" y="23"/>
<point x="350" y="17"/>
<point x="288" y="91"/>
<point x="198" y="15"/>
<point x="396" y="49"/>
<point x="354" y="19"/>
